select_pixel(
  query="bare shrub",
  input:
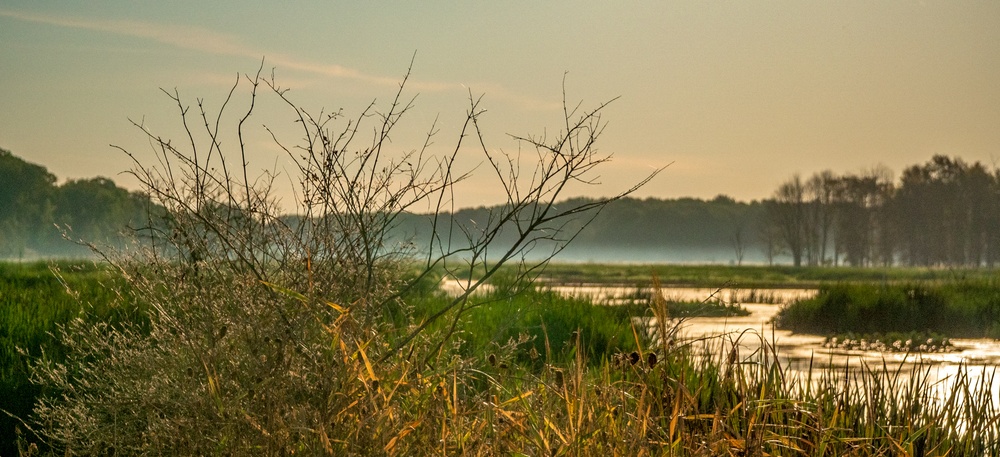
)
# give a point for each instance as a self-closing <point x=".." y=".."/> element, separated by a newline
<point x="269" y="333"/>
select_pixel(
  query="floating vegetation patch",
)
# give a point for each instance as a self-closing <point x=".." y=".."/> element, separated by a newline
<point x="891" y="342"/>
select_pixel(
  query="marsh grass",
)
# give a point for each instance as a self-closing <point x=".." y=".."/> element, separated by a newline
<point x="35" y="297"/>
<point x="750" y="276"/>
<point x="550" y="324"/>
<point x="966" y="308"/>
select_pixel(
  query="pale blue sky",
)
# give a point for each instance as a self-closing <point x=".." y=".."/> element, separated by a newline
<point x="737" y="95"/>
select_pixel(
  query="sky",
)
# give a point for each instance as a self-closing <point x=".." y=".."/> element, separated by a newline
<point x="732" y="97"/>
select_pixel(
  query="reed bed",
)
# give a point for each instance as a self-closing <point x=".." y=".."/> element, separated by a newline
<point x="964" y="308"/>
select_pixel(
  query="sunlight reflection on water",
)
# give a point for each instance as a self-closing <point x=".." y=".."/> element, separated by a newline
<point x="973" y="363"/>
<point x="975" y="359"/>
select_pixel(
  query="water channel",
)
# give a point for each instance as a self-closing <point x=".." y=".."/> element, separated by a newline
<point x="975" y="359"/>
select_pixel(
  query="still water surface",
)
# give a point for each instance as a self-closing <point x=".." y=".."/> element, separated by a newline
<point x="975" y="358"/>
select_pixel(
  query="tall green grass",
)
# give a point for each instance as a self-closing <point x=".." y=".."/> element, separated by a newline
<point x="36" y="298"/>
<point x="541" y="323"/>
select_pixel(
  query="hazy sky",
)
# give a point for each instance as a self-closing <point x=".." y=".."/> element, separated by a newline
<point x="737" y="95"/>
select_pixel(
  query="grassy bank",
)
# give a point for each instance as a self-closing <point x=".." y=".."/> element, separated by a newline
<point x="748" y="276"/>
<point x="966" y="308"/>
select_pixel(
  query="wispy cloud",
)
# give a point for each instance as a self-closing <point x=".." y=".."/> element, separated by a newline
<point x="207" y="41"/>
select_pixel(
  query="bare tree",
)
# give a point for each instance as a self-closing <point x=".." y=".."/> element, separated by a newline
<point x="787" y="213"/>
<point x="739" y="242"/>
<point x="265" y="325"/>
<point x="770" y="240"/>
<point x="821" y="188"/>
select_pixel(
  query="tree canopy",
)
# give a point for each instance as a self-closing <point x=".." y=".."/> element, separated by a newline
<point x="36" y="212"/>
<point x="945" y="212"/>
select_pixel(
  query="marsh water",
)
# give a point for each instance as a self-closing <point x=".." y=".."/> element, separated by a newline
<point x="974" y="359"/>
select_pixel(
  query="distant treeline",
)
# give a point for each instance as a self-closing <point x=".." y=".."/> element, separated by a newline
<point x="942" y="213"/>
<point x="35" y="212"/>
<point x="945" y="212"/>
<point x="690" y="230"/>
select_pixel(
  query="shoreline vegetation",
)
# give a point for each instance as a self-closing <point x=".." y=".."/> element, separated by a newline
<point x="748" y="276"/>
<point x="967" y="308"/>
<point x="540" y="373"/>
